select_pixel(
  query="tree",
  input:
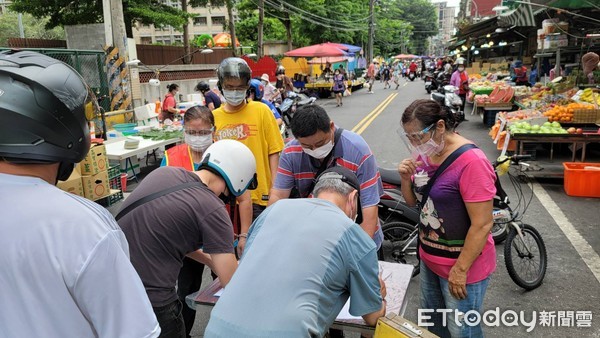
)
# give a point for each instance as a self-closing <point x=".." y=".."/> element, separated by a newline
<point x="422" y="16"/>
<point x="34" y="28"/>
<point x="69" y="12"/>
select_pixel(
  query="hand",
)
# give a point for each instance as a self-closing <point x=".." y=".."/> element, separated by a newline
<point x="382" y="289"/>
<point x="240" y="246"/>
<point x="457" y="283"/>
<point x="407" y="168"/>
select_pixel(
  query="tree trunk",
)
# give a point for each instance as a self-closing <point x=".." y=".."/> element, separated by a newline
<point x="229" y="4"/>
<point x="261" y="22"/>
<point x="187" y="59"/>
<point x="288" y="29"/>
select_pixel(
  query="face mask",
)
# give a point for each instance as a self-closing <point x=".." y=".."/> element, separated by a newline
<point x="198" y="143"/>
<point x="234" y="97"/>
<point x="460" y="69"/>
<point x="430" y="147"/>
<point x="321" y="152"/>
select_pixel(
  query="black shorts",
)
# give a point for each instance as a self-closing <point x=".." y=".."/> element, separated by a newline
<point x="338" y="91"/>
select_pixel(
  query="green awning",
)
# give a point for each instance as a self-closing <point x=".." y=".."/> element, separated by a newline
<point x="456" y="44"/>
<point x="573" y="4"/>
<point x="521" y="17"/>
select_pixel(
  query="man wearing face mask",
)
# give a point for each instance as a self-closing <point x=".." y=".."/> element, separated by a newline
<point x="304" y="258"/>
<point x="251" y="123"/>
<point x="319" y="145"/>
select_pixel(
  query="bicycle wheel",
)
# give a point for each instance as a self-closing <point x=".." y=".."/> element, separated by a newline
<point x="400" y="244"/>
<point x="525" y="258"/>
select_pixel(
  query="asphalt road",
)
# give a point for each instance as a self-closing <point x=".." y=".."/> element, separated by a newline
<point x="569" y="226"/>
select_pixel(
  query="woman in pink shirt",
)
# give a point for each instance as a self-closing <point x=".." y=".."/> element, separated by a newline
<point x="456" y="248"/>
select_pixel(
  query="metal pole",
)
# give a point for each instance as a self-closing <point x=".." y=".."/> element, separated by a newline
<point x="21" y="29"/>
<point x="371" y="29"/>
<point x="261" y="22"/>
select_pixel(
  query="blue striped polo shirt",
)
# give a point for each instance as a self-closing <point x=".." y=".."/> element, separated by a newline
<point x="297" y="169"/>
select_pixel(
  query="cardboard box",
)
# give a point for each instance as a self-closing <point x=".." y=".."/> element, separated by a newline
<point x="96" y="186"/>
<point x="73" y="184"/>
<point x="95" y="161"/>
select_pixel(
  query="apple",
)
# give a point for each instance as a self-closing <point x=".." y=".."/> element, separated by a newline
<point x="579" y="131"/>
<point x="557" y="125"/>
<point x="571" y="130"/>
<point x="547" y="124"/>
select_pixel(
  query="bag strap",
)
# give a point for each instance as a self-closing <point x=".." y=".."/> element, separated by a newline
<point x="447" y="162"/>
<point x="154" y="196"/>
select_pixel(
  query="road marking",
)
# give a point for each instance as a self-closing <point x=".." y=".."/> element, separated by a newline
<point x="584" y="249"/>
<point x="359" y="124"/>
<point x="364" y="123"/>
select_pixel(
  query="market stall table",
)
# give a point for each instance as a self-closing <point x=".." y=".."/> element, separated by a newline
<point x="397" y="278"/>
<point x="574" y="139"/>
<point x="115" y="150"/>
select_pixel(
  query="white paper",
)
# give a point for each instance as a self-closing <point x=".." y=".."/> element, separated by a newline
<point x="219" y="293"/>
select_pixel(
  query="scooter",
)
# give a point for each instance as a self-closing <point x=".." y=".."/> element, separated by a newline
<point x="290" y="104"/>
<point x="392" y="207"/>
<point x="412" y="76"/>
<point x="451" y="101"/>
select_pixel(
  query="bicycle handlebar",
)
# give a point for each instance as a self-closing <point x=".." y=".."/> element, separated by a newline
<point x="515" y="159"/>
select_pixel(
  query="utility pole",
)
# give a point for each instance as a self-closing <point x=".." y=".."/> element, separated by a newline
<point x="371" y="29"/>
<point x="187" y="51"/>
<point x="116" y="45"/>
<point x="261" y="22"/>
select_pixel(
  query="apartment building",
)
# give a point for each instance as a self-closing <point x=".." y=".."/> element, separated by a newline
<point x="446" y="22"/>
<point x="207" y="21"/>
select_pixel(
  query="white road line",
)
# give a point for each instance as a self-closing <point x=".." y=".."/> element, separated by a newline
<point x="584" y="249"/>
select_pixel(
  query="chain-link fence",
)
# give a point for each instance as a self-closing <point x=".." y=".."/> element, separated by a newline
<point x="90" y="64"/>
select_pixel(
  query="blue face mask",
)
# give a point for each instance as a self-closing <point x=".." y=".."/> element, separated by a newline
<point x="234" y="97"/>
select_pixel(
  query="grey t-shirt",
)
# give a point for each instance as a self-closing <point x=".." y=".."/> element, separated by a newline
<point x="162" y="231"/>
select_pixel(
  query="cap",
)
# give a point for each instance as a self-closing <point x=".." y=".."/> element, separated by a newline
<point x="349" y="178"/>
<point x="265" y="77"/>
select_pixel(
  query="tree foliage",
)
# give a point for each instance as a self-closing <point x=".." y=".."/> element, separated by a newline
<point x="33" y="28"/>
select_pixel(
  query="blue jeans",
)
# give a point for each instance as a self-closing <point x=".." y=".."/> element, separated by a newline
<point x="435" y="295"/>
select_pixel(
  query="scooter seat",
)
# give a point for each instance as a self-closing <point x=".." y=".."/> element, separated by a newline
<point x="438" y="97"/>
<point x="390" y="176"/>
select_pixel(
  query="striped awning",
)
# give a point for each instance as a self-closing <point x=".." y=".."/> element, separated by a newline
<point x="520" y="17"/>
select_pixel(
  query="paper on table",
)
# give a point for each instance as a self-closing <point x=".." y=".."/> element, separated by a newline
<point x="219" y="293"/>
<point x="345" y="313"/>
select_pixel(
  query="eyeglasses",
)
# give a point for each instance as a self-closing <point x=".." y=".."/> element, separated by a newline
<point x="419" y="135"/>
<point x="201" y="132"/>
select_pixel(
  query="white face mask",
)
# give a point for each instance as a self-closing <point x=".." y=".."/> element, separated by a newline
<point x="234" y="97"/>
<point x="321" y="152"/>
<point x="431" y="147"/>
<point x="460" y="69"/>
<point x="198" y="143"/>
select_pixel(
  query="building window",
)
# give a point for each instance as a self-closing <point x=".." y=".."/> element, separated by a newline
<point x="146" y="40"/>
<point x="200" y="21"/>
<point x="218" y="20"/>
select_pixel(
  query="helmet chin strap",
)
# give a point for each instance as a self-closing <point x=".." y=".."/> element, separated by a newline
<point x="64" y="171"/>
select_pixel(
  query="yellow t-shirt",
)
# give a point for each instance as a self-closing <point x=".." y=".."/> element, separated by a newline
<point x="255" y="126"/>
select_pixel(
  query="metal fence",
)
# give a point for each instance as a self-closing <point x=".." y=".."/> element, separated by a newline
<point x="90" y="64"/>
<point x="163" y="55"/>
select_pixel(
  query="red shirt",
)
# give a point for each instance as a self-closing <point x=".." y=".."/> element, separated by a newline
<point x="413" y="67"/>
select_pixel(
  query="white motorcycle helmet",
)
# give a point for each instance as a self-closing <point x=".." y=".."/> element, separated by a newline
<point x="234" y="162"/>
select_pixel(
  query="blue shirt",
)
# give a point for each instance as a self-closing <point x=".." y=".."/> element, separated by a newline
<point x="272" y="107"/>
<point x="303" y="259"/>
<point x="211" y="97"/>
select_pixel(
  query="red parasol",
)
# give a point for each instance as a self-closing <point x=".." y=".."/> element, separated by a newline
<point x="320" y="50"/>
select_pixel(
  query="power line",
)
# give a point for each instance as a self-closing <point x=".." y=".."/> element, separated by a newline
<point x="315" y="21"/>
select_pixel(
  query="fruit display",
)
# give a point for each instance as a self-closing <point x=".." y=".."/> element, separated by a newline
<point x="564" y="113"/>
<point x="546" y="128"/>
<point x="589" y="96"/>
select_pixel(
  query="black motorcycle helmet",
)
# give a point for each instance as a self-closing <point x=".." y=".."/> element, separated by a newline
<point x="233" y="68"/>
<point x="45" y="106"/>
<point x="202" y="87"/>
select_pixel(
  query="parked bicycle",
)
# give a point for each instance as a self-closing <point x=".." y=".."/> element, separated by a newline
<point x="525" y="254"/>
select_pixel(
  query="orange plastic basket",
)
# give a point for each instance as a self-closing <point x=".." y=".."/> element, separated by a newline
<point x="582" y="179"/>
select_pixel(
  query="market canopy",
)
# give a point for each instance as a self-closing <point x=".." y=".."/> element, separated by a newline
<point x="330" y="59"/>
<point x="223" y="40"/>
<point x="320" y="50"/>
<point x="522" y="16"/>
<point x="406" y="56"/>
